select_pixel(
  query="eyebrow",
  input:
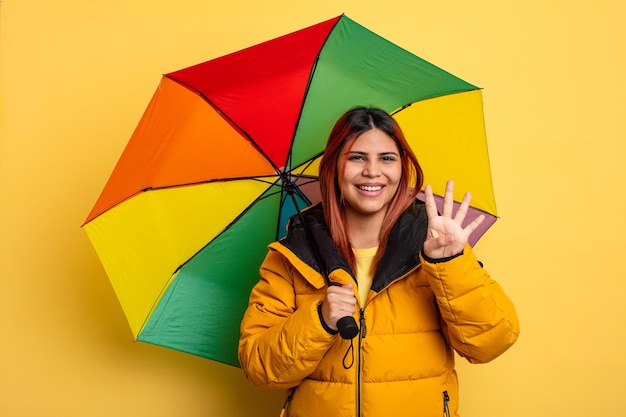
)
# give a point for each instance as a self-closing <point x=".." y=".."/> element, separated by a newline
<point x="379" y="154"/>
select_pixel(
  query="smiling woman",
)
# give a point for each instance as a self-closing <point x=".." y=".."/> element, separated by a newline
<point x="366" y="148"/>
<point x="441" y="300"/>
<point x="369" y="172"/>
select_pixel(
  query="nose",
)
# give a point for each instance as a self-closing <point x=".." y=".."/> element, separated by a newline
<point x="371" y="169"/>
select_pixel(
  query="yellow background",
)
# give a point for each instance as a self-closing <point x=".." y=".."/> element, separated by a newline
<point x="75" y="77"/>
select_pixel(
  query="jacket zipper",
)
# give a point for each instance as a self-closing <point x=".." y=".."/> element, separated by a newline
<point x="362" y="334"/>
<point x="285" y="411"/>
<point x="446" y="408"/>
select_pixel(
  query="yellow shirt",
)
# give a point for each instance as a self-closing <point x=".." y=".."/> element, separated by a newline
<point x="364" y="273"/>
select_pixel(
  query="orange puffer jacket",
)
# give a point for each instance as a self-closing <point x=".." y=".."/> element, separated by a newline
<point x="402" y="361"/>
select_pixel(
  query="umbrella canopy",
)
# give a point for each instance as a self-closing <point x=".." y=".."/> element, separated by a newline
<point x="202" y="187"/>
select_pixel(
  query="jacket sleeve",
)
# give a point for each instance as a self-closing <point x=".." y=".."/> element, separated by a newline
<point x="481" y="320"/>
<point x="280" y="344"/>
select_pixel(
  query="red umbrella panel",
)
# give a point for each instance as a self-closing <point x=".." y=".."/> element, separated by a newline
<point x="205" y="182"/>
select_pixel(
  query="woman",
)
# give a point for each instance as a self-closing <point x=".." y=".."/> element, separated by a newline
<point x="404" y="271"/>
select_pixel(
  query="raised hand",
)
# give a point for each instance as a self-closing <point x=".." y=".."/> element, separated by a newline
<point x="446" y="235"/>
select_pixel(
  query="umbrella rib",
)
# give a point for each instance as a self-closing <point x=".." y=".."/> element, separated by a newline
<point x="261" y="197"/>
<point x="235" y="220"/>
<point x="230" y="121"/>
<point x="406" y="106"/>
<point x="293" y="187"/>
<point x="310" y="162"/>
<point x="306" y="91"/>
<point x="188" y="184"/>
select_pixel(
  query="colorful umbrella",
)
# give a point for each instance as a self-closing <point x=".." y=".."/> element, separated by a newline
<point x="202" y="187"/>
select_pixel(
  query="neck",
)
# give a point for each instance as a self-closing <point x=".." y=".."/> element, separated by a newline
<point x="364" y="230"/>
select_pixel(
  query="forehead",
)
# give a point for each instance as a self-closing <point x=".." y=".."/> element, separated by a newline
<point x="374" y="140"/>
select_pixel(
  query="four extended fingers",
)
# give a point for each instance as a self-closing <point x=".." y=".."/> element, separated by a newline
<point x="448" y="207"/>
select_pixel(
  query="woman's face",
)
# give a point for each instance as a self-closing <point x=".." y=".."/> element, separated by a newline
<point x="369" y="170"/>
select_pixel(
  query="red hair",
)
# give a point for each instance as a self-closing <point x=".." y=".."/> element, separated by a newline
<point x="349" y="126"/>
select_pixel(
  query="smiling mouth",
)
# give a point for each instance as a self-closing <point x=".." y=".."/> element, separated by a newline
<point x="370" y="188"/>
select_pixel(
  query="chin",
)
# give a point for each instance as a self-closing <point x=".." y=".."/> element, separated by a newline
<point x="365" y="210"/>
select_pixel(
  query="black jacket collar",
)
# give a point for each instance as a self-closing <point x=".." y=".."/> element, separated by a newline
<point x="401" y="255"/>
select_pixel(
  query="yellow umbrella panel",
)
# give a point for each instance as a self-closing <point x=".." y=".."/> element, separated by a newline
<point x="447" y="134"/>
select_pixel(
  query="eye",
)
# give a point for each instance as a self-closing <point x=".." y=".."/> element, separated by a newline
<point x="355" y="157"/>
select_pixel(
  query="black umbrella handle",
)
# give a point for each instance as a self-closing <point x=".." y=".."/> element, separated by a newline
<point x="347" y="327"/>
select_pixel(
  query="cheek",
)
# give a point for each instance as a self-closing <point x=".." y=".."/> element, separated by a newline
<point x="395" y="175"/>
<point x="396" y="182"/>
<point x="399" y="176"/>
<point x="399" y="172"/>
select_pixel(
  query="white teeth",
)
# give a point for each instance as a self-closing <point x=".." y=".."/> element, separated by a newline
<point x="371" y="188"/>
